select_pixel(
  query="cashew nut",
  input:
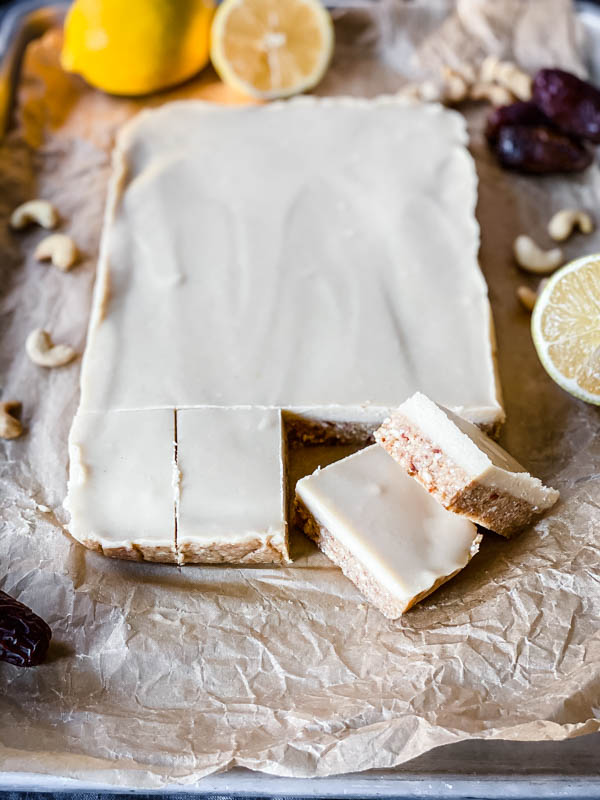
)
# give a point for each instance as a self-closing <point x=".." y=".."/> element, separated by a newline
<point x="563" y="223"/>
<point x="526" y="297"/>
<point x="532" y="258"/>
<point x="488" y="69"/>
<point x="58" y="248"/>
<point x="456" y="87"/>
<point x="508" y="75"/>
<point x="10" y="426"/>
<point x="42" y="351"/>
<point x="39" y="211"/>
<point x="430" y="92"/>
<point x="495" y="94"/>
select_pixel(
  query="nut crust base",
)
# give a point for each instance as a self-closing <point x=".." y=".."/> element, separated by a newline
<point x="494" y="509"/>
<point x="270" y="550"/>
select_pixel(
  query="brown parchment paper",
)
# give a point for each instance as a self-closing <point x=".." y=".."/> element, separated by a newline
<point x="162" y="675"/>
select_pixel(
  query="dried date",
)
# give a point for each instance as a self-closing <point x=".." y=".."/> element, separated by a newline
<point x="572" y="104"/>
<point x="540" y="150"/>
<point x="24" y="637"/>
<point x="520" y="113"/>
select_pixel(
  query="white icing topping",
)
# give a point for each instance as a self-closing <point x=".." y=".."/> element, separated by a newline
<point x="120" y="486"/>
<point x="403" y="537"/>
<point x="300" y="255"/>
<point x="231" y="468"/>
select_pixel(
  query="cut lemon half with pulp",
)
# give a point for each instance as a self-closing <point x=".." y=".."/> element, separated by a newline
<point x="565" y="326"/>
<point x="271" y="48"/>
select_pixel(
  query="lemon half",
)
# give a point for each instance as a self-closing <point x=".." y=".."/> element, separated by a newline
<point x="565" y="326"/>
<point x="271" y="48"/>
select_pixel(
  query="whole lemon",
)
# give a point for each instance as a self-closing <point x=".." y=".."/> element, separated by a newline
<point x="139" y="46"/>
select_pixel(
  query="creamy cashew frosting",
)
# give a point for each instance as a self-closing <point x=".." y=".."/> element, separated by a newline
<point x="316" y="256"/>
<point x="121" y="487"/>
<point x="231" y="483"/>
<point x="388" y="524"/>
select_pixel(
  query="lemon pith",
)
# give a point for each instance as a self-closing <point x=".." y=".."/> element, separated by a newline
<point x="565" y="326"/>
<point x="137" y="47"/>
<point x="271" y="48"/>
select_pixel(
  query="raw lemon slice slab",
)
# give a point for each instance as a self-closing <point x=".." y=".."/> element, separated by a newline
<point x="271" y="48"/>
<point x="566" y="328"/>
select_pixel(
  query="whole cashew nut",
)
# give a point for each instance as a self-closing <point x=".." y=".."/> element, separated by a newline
<point x="44" y="353"/>
<point x="40" y="212"/>
<point x="60" y="249"/>
<point x="10" y="426"/>
<point x="532" y="258"/>
<point x="563" y="223"/>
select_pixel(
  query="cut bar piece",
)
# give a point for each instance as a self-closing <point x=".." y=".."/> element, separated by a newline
<point x="121" y="496"/>
<point x="231" y="505"/>
<point x="392" y="539"/>
<point x="462" y="467"/>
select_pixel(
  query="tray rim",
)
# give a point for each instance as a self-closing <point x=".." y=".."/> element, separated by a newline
<point x="21" y="22"/>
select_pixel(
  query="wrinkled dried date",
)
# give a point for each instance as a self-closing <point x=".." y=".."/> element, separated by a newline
<point x="540" y="150"/>
<point x="572" y="104"/>
<point x="24" y="637"/>
<point x="521" y="113"/>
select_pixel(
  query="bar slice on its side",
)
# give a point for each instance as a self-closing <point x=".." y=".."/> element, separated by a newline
<point x="462" y="467"/>
<point x="394" y="541"/>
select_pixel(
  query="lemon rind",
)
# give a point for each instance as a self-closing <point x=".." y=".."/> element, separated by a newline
<point x="570" y="385"/>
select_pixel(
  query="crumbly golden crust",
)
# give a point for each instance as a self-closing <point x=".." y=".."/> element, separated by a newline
<point x="270" y="550"/>
<point x="390" y="606"/>
<point x="133" y="552"/>
<point x="496" y="510"/>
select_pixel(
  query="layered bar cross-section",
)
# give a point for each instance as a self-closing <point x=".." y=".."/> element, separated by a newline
<point x="462" y="467"/>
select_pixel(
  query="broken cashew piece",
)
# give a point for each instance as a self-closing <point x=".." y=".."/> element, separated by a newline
<point x="563" y="223"/>
<point x="526" y="297"/>
<point x="10" y="426"/>
<point x="40" y="212"/>
<point x="43" y="352"/>
<point x="532" y="258"/>
<point x="508" y="75"/>
<point x="456" y="88"/>
<point x="492" y="92"/>
<point x="58" y="248"/>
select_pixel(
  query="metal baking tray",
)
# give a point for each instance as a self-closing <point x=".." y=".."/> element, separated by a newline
<point x="474" y="769"/>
